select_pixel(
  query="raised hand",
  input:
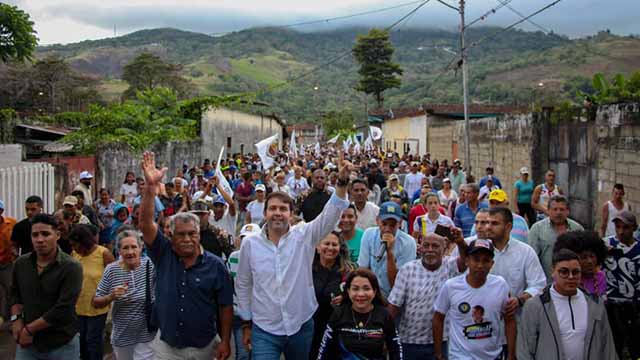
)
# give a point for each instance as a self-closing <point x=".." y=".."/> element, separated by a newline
<point x="152" y="176"/>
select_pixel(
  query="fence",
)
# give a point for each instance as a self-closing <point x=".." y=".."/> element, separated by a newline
<point x="19" y="182"/>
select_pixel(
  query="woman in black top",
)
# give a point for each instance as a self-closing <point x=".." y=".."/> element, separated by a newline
<point x="330" y="268"/>
<point x="361" y="328"/>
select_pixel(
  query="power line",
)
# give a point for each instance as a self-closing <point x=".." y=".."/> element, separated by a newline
<point x="488" y="13"/>
<point x="522" y="16"/>
<point x="410" y="13"/>
<point x="343" y="17"/>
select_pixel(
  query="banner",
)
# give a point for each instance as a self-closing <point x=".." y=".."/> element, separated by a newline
<point x="263" y="149"/>
<point x="376" y="133"/>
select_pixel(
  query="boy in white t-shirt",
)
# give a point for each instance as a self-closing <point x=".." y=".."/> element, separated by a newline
<point x="474" y="304"/>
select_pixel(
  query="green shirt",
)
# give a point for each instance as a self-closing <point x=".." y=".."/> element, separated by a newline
<point x="542" y="237"/>
<point x="354" y="245"/>
<point x="51" y="295"/>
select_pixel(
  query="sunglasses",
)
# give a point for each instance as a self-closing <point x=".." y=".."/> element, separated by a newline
<point x="564" y="273"/>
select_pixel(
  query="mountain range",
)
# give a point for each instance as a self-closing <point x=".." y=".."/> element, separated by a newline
<point x="304" y="75"/>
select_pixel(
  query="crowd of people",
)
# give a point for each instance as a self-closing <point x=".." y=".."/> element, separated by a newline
<point x="330" y="255"/>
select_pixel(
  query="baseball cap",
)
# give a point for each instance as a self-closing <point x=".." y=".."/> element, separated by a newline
<point x="249" y="229"/>
<point x="200" y="206"/>
<point x="393" y="177"/>
<point x="85" y="175"/>
<point x="498" y="195"/>
<point x="480" y="245"/>
<point x="1" y="204"/>
<point x="456" y="161"/>
<point x="390" y="210"/>
<point x="218" y="200"/>
<point x="373" y="161"/>
<point x="261" y="187"/>
<point x="402" y="163"/>
<point x="524" y="170"/>
<point x="489" y="178"/>
<point x="70" y="200"/>
<point x="626" y="217"/>
<point x="446" y="180"/>
<point x="199" y="172"/>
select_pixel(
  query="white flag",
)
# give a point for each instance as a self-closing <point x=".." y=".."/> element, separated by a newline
<point x="356" y="148"/>
<point x="262" y="148"/>
<point x="221" y="179"/>
<point x="347" y="144"/>
<point x="376" y="133"/>
<point x="302" y="150"/>
<point x="368" y="144"/>
<point x="317" y="149"/>
<point x="293" y="149"/>
<point x="334" y="139"/>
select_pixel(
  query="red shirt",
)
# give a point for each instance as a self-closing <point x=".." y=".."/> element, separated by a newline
<point x="244" y="189"/>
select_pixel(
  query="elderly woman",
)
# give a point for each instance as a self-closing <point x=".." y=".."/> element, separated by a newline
<point x="129" y="284"/>
<point x="94" y="259"/>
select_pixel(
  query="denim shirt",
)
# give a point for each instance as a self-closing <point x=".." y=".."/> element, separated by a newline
<point x="187" y="300"/>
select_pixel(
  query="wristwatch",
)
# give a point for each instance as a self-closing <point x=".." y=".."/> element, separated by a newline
<point x="15" y="317"/>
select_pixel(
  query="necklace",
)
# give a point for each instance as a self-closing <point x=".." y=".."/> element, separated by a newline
<point x="359" y="325"/>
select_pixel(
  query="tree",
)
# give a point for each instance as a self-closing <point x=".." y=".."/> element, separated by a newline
<point x="334" y="123"/>
<point x="17" y="37"/>
<point x="377" y="72"/>
<point x="148" y="71"/>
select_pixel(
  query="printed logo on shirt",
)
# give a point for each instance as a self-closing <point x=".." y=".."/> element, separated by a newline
<point x="480" y="329"/>
<point x="464" y="307"/>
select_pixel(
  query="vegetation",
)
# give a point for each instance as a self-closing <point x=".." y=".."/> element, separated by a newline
<point x="334" y="123"/>
<point x="377" y="72"/>
<point x="616" y="91"/>
<point x="17" y="37"/>
<point x="148" y="71"/>
<point x="7" y="123"/>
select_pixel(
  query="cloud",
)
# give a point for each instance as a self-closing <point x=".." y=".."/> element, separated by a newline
<point x="74" y="20"/>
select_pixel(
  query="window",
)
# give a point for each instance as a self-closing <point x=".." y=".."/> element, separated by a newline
<point x="229" y="142"/>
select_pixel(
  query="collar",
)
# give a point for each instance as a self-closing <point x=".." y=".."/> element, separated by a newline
<point x="506" y="248"/>
<point x="34" y="257"/>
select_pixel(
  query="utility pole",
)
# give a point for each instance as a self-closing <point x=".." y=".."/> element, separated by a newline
<point x="467" y="127"/>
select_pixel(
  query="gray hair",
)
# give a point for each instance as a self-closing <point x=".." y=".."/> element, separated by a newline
<point x="129" y="233"/>
<point x="183" y="218"/>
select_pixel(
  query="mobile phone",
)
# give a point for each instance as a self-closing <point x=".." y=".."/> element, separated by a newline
<point x="444" y="231"/>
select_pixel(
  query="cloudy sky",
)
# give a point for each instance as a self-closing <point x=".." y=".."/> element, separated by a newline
<point x="66" y="21"/>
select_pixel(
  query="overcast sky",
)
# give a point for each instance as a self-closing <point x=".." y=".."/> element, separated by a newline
<point x="67" y="21"/>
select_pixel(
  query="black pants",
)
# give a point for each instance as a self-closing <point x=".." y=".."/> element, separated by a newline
<point x="526" y="210"/>
<point x="624" y="320"/>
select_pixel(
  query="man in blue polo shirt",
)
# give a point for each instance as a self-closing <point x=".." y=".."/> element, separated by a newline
<point x="465" y="216"/>
<point x="193" y="286"/>
<point x="385" y="248"/>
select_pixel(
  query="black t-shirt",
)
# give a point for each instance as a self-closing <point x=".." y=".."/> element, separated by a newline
<point x="212" y="241"/>
<point x="314" y="203"/>
<point x="351" y="335"/>
<point x="21" y="236"/>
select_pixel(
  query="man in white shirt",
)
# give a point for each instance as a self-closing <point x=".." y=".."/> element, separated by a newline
<point x="85" y="187"/>
<point x="276" y="299"/>
<point x="366" y="210"/>
<point x="415" y="290"/>
<point x="298" y="184"/>
<point x="224" y="208"/>
<point x="563" y="322"/>
<point x="474" y="304"/>
<point x="413" y="180"/>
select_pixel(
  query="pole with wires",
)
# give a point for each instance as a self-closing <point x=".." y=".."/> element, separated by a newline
<point x="465" y="91"/>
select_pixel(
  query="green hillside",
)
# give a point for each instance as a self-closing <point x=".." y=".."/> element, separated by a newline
<point x="505" y="70"/>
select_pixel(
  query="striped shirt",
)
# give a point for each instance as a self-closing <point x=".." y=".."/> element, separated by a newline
<point x="129" y="322"/>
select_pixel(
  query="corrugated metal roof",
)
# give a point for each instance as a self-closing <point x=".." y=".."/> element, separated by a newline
<point x="47" y="128"/>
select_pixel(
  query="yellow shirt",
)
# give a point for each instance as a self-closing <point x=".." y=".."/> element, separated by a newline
<point x="92" y="270"/>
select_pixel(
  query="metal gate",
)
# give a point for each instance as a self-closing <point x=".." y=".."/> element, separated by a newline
<point x="19" y="182"/>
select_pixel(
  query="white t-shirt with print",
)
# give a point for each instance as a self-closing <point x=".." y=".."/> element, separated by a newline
<point x="130" y="192"/>
<point x="256" y="209"/>
<point x="474" y="317"/>
<point x="415" y="291"/>
<point x="226" y="222"/>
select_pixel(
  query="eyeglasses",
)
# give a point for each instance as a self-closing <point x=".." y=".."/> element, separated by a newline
<point x="564" y="273"/>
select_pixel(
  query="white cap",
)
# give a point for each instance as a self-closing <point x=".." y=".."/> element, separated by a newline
<point x="85" y="175"/>
<point x="261" y="187"/>
<point x="249" y="229"/>
<point x="524" y="170"/>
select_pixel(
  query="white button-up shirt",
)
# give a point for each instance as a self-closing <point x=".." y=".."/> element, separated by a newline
<point x="519" y="265"/>
<point x="274" y="284"/>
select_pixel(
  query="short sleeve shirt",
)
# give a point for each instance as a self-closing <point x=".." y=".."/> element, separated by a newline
<point x="474" y="317"/>
<point x="226" y="222"/>
<point x="415" y="291"/>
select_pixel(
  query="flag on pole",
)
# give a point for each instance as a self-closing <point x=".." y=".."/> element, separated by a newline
<point x="356" y="144"/>
<point x="376" y="133"/>
<point x="302" y="150"/>
<point x="368" y="144"/>
<point x="293" y="149"/>
<point x="334" y="139"/>
<point x="262" y="148"/>
<point x="317" y="149"/>
<point x="221" y="179"/>
<point x="347" y="144"/>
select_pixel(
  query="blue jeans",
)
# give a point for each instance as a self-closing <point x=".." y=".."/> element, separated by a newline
<point x="70" y="350"/>
<point x="267" y="346"/>
<point x="241" y="351"/>
<point x="422" y="351"/>
<point x="91" y="336"/>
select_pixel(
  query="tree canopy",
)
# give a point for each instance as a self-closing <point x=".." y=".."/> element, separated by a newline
<point x="17" y="36"/>
<point x="148" y="71"/>
<point x="377" y="72"/>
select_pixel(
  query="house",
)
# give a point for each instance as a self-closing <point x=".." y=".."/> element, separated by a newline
<point x="239" y="129"/>
<point x="307" y="133"/>
<point x="41" y="140"/>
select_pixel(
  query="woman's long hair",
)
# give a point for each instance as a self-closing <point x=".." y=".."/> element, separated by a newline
<point x="378" y="299"/>
<point x="343" y="259"/>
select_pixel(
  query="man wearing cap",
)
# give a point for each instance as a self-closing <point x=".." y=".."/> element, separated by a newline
<point x="488" y="187"/>
<point x="413" y="180"/>
<point x="457" y="176"/>
<point x="520" y="229"/>
<point x="224" y="208"/>
<point x="6" y="257"/>
<point x="474" y="305"/>
<point x="489" y="172"/>
<point x="314" y="202"/>
<point x="85" y="187"/>
<point x="622" y="268"/>
<point x="385" y="248"/>
<point x="394" y="188"/>
<point x="255" y="209"/>
<point x="543" y="234"/>
<point x="70" y="204"/>
<point x="212" y="239"/>
<point x="401" y="170"/>
<point x="522" y="192"/>
<point x="375" y="176"/>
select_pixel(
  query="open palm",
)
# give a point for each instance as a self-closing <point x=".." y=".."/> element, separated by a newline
<point x="152" y="175"/>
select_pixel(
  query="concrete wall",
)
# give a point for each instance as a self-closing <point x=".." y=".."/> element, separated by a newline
<point x="409" y="132"/>
<point x="10" y="154"/>
<point x="441" y="136"/>
<point x="618" y="154"/>
<point x="244" y="130"/>
<point x="116" y="159"/>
